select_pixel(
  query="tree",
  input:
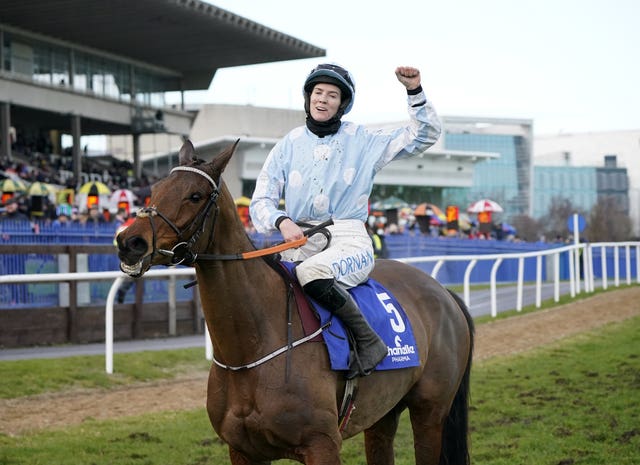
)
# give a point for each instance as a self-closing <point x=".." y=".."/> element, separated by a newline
<point x="608" y="222"/>
<point x="554" y="224"/>
<point x="528" y="228"/>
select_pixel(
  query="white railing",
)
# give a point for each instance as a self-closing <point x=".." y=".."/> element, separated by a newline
<point x="118" y="277"/>
<point x="575" y="251"/>
<point x="170" y="273"/>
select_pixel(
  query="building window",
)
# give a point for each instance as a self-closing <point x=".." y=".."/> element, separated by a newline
<point x="610" y="161"/>
<point x="104" y="77"/>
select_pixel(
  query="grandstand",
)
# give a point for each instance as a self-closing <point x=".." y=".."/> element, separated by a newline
<point x="89" y="67"/>
<point x="85" y="68"/>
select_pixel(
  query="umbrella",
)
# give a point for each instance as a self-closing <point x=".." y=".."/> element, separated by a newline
<point x="242" y="201"/>
<point x="429" y="209"/>
<point x="94" y="188"/>
<point x="12" y="185"/>
<point x="464" y="221"/>
<point x="66" y="196"/>
<point x="40" y="189"/>
<point x="122" y="195"/>
<point x="484" y="205"/>
<point x="93" y="193"/>
<point x="390" y="203"/>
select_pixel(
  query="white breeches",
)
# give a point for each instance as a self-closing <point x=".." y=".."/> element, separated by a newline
<point x="348" y="259"/>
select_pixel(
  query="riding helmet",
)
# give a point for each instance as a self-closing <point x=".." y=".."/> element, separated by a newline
<point x="332" y="74"/>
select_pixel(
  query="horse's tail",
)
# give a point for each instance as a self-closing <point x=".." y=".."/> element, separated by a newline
<point x="455" y="434"/>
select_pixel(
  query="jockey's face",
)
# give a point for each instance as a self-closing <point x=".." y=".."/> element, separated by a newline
<point x="324" y="101"/>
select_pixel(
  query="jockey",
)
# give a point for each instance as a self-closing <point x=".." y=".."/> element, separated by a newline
<point x="325" y="170"/>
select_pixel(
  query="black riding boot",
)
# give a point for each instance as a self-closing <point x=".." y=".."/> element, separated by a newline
<point x="370" y="349"/>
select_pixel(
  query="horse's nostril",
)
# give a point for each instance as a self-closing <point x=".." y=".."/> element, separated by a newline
<point x="136" y="244"/>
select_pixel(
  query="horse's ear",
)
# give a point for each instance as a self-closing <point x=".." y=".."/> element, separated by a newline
<point x="220" y="162"/>
<point x="187" y="153"/>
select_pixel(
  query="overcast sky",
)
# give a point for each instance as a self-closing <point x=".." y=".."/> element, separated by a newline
<point x="569" y="65"/>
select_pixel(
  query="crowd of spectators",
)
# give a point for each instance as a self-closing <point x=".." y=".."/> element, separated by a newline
<point x="14" y="212"/>
<point x="58" y="170"/>
<point x="34" y="161"/>
<point x="413" y="225"/>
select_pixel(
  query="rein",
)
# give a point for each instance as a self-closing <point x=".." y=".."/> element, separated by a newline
<point x="182" y="253"/>
<point x="274" y="248"/>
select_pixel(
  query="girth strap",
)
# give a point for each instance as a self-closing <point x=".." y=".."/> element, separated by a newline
<point x="273" y="354"/>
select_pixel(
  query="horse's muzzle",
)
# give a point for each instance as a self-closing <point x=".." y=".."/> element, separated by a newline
<point x="132" y="252"/>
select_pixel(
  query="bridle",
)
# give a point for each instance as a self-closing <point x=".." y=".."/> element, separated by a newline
<point x="182" y="253"/>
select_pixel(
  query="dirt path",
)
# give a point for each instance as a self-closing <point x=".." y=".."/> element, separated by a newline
<point x="502" y="337"/>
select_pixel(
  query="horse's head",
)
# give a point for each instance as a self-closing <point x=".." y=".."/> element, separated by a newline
<point x="179" y="221"/>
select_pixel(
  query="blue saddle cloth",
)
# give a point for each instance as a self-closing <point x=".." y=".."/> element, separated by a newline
<point x="386" y="317"/>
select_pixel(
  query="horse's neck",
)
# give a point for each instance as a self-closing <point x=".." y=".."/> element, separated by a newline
<point x="244" y="304"/>
<point x="243" y="300"/>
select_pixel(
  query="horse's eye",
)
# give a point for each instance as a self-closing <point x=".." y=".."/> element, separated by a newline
<point x="195" y="197"/>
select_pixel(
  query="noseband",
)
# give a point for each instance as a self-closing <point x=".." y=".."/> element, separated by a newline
<point x="182" y="252"/>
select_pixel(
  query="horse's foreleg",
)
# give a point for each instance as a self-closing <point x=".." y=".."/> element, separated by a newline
<point x="321" y="450"/>
<point x="378" y="440"/>
<point x="238" y="458"/>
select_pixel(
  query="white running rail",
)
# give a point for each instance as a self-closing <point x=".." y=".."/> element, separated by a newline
<point x="576" y="251"/>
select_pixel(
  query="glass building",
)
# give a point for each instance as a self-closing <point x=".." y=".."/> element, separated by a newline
<point x="576" y="183"/>
<point x="582" y="185"/>
<point x="506" y="178"/>
<point x="97" y="74"/>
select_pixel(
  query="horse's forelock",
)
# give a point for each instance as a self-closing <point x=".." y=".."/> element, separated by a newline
<point x="215" y="167"/>
<point x="209" y="168"/>
<point x="204" y="166"/>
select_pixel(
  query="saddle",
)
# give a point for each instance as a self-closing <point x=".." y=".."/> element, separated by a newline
<point x="379" y="307"/>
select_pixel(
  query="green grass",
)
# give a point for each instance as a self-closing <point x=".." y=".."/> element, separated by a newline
<point x="167" y="438"/>
<point x="30" y="377"/>
<point x="573" y="402"/>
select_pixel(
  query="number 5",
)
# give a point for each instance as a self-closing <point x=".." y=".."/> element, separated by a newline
<point x="396" y="320"/>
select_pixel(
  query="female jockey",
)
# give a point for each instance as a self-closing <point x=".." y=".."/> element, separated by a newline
<point x="325" y="170"/>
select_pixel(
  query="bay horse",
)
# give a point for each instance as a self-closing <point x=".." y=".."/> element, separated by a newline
<point x="261" y="412"/>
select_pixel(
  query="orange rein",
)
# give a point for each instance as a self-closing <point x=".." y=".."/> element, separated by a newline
<point x="285" y="245"/>
<point x="274" y="249"/>
<point x="269" y="250"/>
